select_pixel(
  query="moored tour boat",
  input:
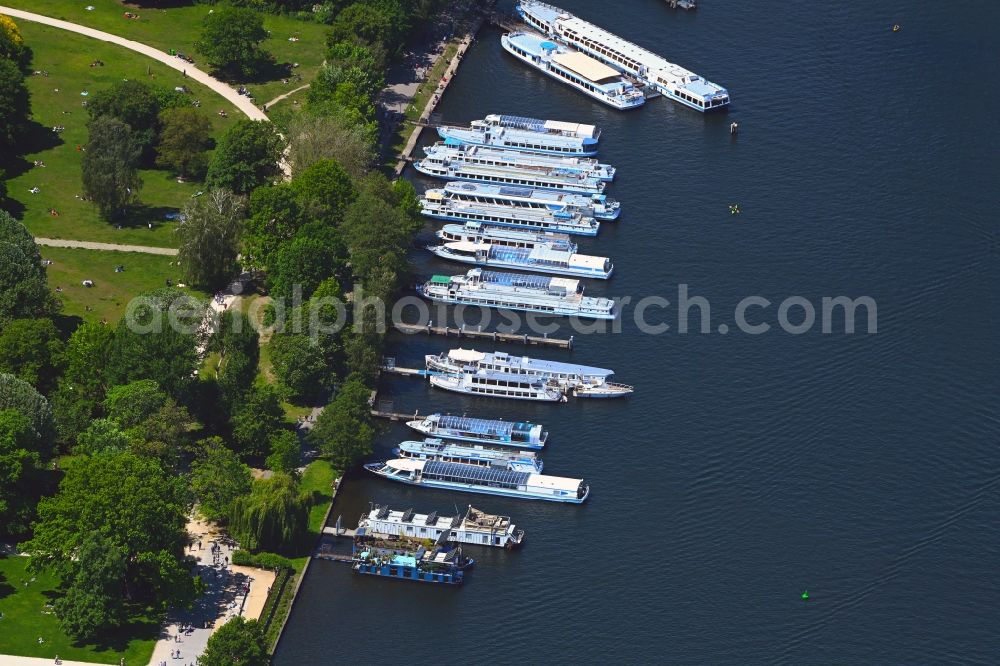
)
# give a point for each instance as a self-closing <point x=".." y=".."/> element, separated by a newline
<point x="484" y="431"/>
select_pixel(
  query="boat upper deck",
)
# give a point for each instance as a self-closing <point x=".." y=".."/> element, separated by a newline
<point x="557" y="127"/>
<point x="554" y="199"/>
<point x="494" y="428"/>
<point x="495" y="360"/>
<point x="605" y="79"/>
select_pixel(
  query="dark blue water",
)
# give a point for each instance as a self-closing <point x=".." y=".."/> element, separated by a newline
<point x="746" y="469"/>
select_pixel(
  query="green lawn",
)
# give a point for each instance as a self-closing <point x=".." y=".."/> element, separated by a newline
<point x="67" y="57"/>
<point x="23" y="601"/>
<point x="112" y="291"/>
<point x="179" y="27"/>
<point x="319" y="476"/>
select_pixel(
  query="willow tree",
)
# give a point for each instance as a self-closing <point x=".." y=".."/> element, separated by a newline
<point x="273" y="517"/>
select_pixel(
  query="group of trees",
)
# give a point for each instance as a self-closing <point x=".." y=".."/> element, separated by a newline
<point x="15" y="101"/>
<point x="134" y="125"/>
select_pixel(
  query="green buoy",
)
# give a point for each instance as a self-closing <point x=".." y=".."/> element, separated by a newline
<point x="805" y="596"/>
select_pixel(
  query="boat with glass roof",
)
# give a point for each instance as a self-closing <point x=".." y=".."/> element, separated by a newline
<point x="456" y="167"/>
<point x="551" y="137"/>
<point x="597" y="206"/>
<point x="518" y="291"/>
<point x="498" y="385"/>
<point x="517" y="159"/>
<point x="574" y="68"/>
<point x="581" y="380"/>
<point x="540" y="259"/>
<point x="486" y="480"/>
<point x="485" y="431"/>
<point x="474" y="527"/>
<point x="434" y="204"/>
<point x="667" y="78"/>
<point x="472" y="454"/>
<point x="476" y="232"/>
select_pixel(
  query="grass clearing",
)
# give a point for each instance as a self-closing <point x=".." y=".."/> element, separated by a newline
<point x="112" y="291"/>
<point x="179" y="28"/>
<point x="24" y="598"/>
<point x="57" y="100"/>
<point x="319" y="477"/>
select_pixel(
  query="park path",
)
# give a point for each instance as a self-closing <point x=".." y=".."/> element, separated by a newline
<point x="90" y="245"/>
<point x="287" y="94"/>
<point x="11" y="660"/>
<point x="237" y="100"/>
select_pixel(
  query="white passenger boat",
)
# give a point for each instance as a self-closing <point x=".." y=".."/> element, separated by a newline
<point x="437" y="205"/>
<point x="456" y="167"/>
<point x="518" y="291"/>
<point x="665" y="77"/>
<point x="498" y="385"/>
<point x="475" y="479"/>
<point x="474" y="527"/>
<point x="575" y="69"/>
<point x="517" y="159"/>
<point x="582" y="380"/>
<point x="471" y="454"/>
<point x="476" y="232"/>
<point x="598" y="206"/>
<point x="482" y="431"/>
<point x="540" y="259"/>
<point x="550" y="137"/>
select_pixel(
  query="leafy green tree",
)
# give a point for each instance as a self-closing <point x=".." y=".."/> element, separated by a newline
<point x="246" y="157"/>
<point x="377" y="235"/>
<point x="15" y="104"/>
<point x="255" y="419"/>
<point x="218" y="478"/>
<point x="21" y="453"/>
<point x="134" y="103"/>
<point x="32" y="350"/>
<point x="315" y="254"/>
<point x="84" y="382"/>
<point x="3" y="188"/>
<point x="300" y="366"/>
<point x="275" y="216"/>
<point x="239" y="642"/>
<point x="91" y="600"/>
<point x="210" y="237"/>
<point x="111" y="166"/>
<point x="19" y="395"/>
<point x="185" y="136"/>
<point x="138" y="512"/>
<point x="101" y="436"/>
<point x="378" y="24"/>
<point x="238" y="344"/>
<point x="12" y="46"/>
<point x="344" y="430"/>
<point x="315" y="137"/>
<point x="156" y="339"/>
<point x="286" y="452"/>
<point x="231" y="39"/>
<point x="273" y="517"/>
<point x="24" y="291"/>
<point x="324" y="190"/>
<point x="130" y="404"/>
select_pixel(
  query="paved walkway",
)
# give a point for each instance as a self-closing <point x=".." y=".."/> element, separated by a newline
<point x="11" y="660"/>
<point x="227" y="594"/>
<point x="88" y="245"/>
<point x="239" y="101"/>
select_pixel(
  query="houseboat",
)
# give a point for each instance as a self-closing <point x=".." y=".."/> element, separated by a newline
<point x="540" y="259"/>
<point x="518" y="291"/>
<point x="474" y="527"/>
<point x="666" y="78"/>
<point x="477" y="232"/>
<point x="517" y="159"/>
<point x="471" y="454"/>
<point x="486" y="480"/>
<point x="575" y="69"/>
<point x="408" y="559"/>
<point x="436" y="205"/>
<point x="482" y="431"/>
<point x="581" y="380"/>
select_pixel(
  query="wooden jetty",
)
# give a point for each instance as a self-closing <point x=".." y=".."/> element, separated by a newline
<point x="478" y="334"/>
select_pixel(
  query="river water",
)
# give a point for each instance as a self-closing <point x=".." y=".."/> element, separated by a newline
<point x="746" y="469"/>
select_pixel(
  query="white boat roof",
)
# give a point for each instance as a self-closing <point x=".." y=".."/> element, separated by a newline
<point x="585" y="66"/>
<point x="467" y="246"/>
<point x="589" y="131"/>
<point x="466" y="355"/>
<point x="570" y="285"/>
<point x="587" y="261"/>
<point x="544" y="253"/>
<point x="406" y="464"/>
<point x="434" y="195"/>
<point x="554" y="482"/>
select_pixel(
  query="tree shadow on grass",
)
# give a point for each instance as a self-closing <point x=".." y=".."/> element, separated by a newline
<point x="142" y="215"/>
<point x="6" y="589"/>
<point x="143" y="626"/>
<point x="36" y="139"/>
